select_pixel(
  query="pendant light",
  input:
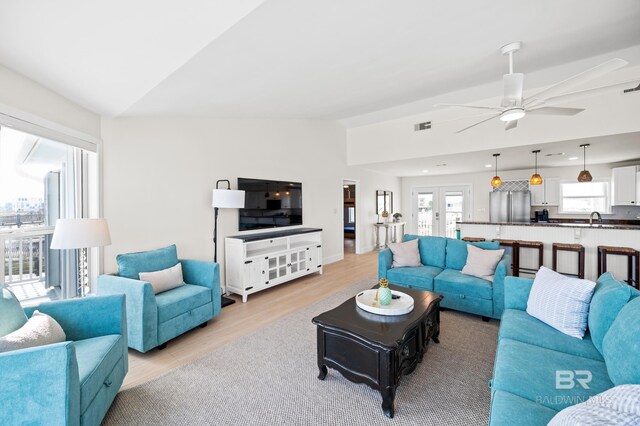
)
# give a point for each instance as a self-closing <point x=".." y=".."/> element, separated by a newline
<point x="496" y="181"/>
<point x="584" y="175"/>
<point x="536" y="179"/>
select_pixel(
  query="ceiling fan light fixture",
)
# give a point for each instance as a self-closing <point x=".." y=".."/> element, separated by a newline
<point x="512" y="114"/>
<point x="584" y="175"/>
<point x="496" y="181"/>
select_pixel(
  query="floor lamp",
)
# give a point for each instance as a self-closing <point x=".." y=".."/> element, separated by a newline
<point x="81" y="234"/>
<point x="224" y="198"/>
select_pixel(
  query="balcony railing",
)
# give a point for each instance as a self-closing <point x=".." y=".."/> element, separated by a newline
<point x="24" y="261"/>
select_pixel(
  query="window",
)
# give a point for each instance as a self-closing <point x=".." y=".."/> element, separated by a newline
<point x="352" y="215"/>
<point x="584" y="197"/>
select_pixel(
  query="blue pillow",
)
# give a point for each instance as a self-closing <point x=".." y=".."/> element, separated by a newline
<point x="608" y="299"/>
<point x="131" y="264"/>
<point x="621" y="346"/>
<point x="12" y="317"/>
<point x="457" y="251"/>
<point x="432" y="249"/>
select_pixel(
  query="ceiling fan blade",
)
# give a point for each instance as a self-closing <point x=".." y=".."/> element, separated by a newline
<point x="484" y="114"/>
<point x="479" y="122"/>
<point x="574" y="96"/>
<point x="510" y="125"/>
<point x="512" y="89"/>
<point x="546" y="110"/>
<point x="578" y="79"/>
<point x="468" y="106"/>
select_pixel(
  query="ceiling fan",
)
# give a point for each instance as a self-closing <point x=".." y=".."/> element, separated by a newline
<point x="513" y="107"/>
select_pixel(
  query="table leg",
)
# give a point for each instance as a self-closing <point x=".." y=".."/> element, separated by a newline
<point x="436" y="335"/>
<point x="323" y="371"/>
<point x="377" y="237"/>
<point x="386" y="236"/>
<point x="388" y="396"/>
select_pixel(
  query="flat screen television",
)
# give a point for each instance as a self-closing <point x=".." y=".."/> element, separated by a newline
<point x="270" y="204"/>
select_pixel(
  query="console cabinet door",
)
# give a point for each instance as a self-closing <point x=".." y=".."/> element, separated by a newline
<point x="252" y="273"/>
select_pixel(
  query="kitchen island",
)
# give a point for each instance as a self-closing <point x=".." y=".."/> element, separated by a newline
<point x="590" y="236"/>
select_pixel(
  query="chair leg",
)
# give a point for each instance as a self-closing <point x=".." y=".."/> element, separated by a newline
<point x="162" y="346"/>
<point x="204" y="324"/>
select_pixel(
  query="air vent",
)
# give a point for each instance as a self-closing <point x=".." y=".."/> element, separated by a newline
<point x="422" y="126"/>
<point x="633" y="89"/>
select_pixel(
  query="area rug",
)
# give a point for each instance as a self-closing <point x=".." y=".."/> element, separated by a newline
<point x="270" y="378"/>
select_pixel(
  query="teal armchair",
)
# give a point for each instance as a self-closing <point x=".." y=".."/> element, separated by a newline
<point x="73" y="382"/>
<point x="154" y="319"/>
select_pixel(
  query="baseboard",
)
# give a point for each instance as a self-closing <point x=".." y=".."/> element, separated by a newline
<point x="367" y="249"/>
<point x="332" y="259"/>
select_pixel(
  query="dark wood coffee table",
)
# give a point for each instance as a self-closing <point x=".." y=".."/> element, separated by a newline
<point x="374" y="349"/>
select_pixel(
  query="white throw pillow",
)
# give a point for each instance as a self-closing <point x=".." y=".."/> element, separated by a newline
<point x="39" y="330"/>
<point x="165" y="279"/>
<point x="482" y="263"/>
<point x="618" y="406"/>
<point x="405" y="254"/>
<point x="561" y="302"/>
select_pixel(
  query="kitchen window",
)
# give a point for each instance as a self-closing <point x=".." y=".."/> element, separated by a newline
<point x="584" y="197"/>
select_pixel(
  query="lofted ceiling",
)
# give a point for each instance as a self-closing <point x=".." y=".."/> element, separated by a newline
<point x="293" y="59"/>
<point x="602" y="150"/>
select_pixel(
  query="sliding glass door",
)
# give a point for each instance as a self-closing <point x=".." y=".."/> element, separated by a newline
<point x="41" y="180"/>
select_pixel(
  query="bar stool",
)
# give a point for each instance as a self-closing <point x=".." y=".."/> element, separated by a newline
<point x="577" y="248"/>
<point x="473" y="239"/>
<point x="536" y="245"/>
<point x="511" y="246"/>
<point x="632" y="255"/>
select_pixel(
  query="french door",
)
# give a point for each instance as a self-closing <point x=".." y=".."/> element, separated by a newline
<point x="435" y="210"/>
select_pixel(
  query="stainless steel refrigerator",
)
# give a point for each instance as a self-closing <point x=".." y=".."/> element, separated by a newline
<point x="509" y="206"/>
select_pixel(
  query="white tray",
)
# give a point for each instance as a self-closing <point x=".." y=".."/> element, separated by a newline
<point x="400" y="306"/>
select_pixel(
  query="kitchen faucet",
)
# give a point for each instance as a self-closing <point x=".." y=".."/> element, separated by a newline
<point x="591" y="217"/>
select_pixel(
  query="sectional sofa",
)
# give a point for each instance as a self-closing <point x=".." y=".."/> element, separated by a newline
<point x="539" y="371"/>
<point x="442" y="260"/>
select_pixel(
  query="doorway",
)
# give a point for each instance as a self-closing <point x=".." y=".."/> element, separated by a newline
<point x="349" y="215"/>
<point x="435" y="211"/>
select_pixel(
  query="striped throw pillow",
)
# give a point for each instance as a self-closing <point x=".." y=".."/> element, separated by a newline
<point x="561" y="302"/>
<point x="618" y="406"/>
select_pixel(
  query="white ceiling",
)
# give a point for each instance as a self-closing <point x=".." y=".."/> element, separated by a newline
<point x="602" y="150"/>
<point x="293" y="59"/>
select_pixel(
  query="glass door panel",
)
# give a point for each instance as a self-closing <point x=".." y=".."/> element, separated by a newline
<point x="425" y="211"/>
<point x="454" y="212"/>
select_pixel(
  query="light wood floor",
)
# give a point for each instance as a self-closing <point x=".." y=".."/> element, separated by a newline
<point x="240" y="319"/>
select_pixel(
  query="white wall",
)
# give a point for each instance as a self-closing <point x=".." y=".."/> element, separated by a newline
<point x="31" y="101"/>
<point x="481" y="187"/>
<point x="158" y="174"/>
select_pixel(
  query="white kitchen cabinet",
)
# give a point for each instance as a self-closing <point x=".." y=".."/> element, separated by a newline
<point x="624" y="186"/>
<point x="255" y="262"/>
<point x="546" y="194"/>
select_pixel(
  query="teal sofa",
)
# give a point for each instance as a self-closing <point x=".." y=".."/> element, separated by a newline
<point x="442" y="260"/>
<point x="539" y="371"/>
<point x="154" y="319"/>
<point x="68" y="383"/>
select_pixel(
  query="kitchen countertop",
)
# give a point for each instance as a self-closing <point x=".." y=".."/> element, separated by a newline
<point x="559" y="224"/>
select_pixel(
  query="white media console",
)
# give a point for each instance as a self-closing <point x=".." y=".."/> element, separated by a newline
<point x="255" y="262"/>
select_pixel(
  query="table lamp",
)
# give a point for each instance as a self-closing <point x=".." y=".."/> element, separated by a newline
<point x="224" y="198"/>
<point x="81" y="234"/>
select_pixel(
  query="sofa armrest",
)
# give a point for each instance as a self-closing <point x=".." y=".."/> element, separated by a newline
<point x="385" y="260"/>
<point x="516" y="292"/>
<point x="205" y="274"/>
<point x="141" y="309"/>
<point x="40" y="386"/>
<point x="91" y="316"/>
<point x="502" y="270"/>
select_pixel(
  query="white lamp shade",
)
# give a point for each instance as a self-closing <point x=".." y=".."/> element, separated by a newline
<point x="80" y="233"/>
<point x="228" y="199"/>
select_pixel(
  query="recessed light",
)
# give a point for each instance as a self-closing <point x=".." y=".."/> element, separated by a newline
<point x="488" y="165"/>
<point x="573" y="158"/>
<point x="425" y="171"/>
<point x="346" y="186"/>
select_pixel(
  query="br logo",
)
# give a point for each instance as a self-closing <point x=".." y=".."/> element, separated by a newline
<point x="569" y="379"/>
